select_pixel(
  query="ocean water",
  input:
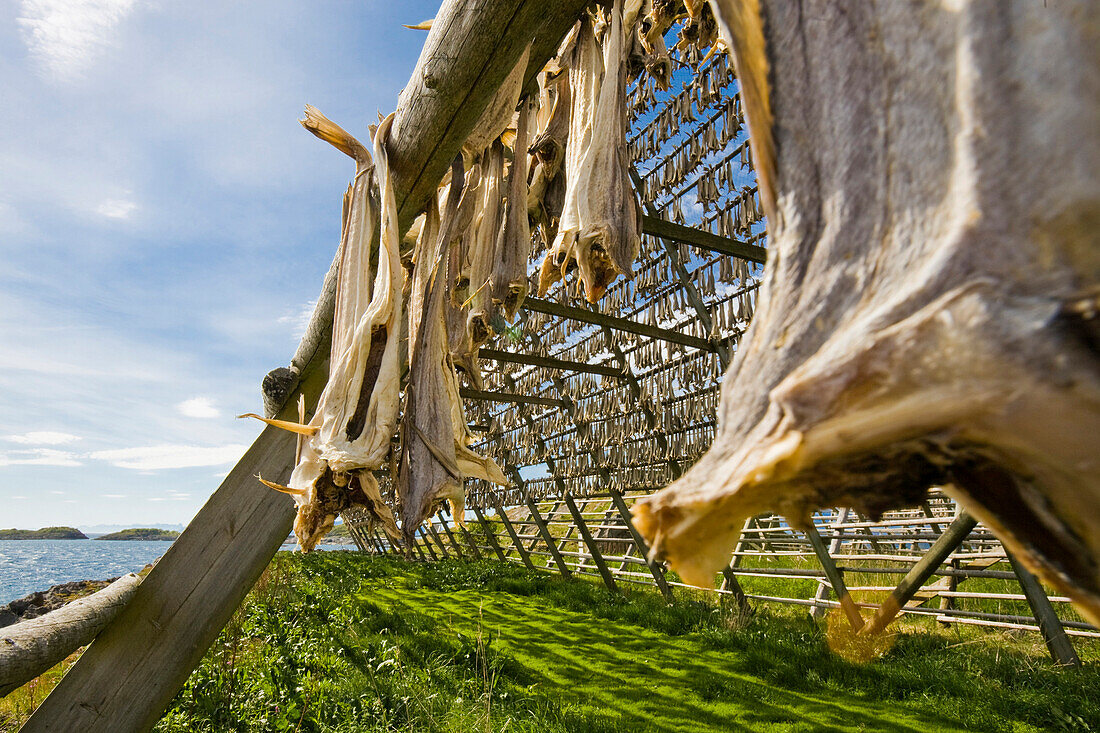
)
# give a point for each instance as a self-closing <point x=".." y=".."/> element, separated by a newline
<point x="27" y="566"/>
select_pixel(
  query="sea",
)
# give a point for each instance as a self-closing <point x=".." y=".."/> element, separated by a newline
<point x="27" y="566"/>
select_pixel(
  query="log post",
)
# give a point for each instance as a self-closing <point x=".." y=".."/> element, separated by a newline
<point x="835" y="577"/>
<point x="822" y="594"/>
<point x="548" y="539"/>
<point x="451" y="535"/>
<point x="516" y="542"/>
<point x="656" y="570"/>
<point x="490" y="535"/>
<point x="29" y="648"/>
<point x="1058" y="643"/>
<point x="597" y="556"/>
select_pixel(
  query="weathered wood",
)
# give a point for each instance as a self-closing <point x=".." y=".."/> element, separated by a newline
<point x="31" y="647"/>
<point x="655" y="569"/>
<point x="470" y="49"/>
<point x="822" y="593"/>
<point x="658" y="227"/>
<point x="594" y="552"/>
<point x="1058" y="643"/>
<point x="438" y="540"/>
<point x="547" y="362"/>
<point x="836" y="578"/>
<point x="952" y="537"/>
<point x="586" y="315"/>
<point x="548" y="539"/>
<point x="490" y="535"/>
<point x="153" y="644"/>
<point x="518" y="399"/>
<point x="516" y="542"/>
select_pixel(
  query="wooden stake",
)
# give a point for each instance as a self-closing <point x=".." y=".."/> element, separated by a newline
<point x="548" y="539"/>
<point x="516" y="542"/>
<point x="1058" y="643"/>
<point x="656" y="570"/>
<point x="490" y="535"/>
<point x="594" y="551"/>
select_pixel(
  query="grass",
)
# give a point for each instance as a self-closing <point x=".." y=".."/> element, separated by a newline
<point x="345" y="642"/>
<point x="342" y="641"/>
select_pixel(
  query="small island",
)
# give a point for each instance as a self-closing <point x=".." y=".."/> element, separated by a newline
<point x="46" y="533"/>
<point x="143" y="534"/>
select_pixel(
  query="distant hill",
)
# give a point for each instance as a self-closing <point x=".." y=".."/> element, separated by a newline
<point x="96" y="529"/>
<point x="141" y="534"/>
<point x="46" y="533"/>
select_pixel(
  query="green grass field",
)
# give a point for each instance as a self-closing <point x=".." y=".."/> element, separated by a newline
<point x="346" y="642"/>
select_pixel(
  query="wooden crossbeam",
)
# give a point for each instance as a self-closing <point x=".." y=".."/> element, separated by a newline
<point x="704" y="240"/>
<point x="550" y="363"/>
<point x="514" y="398"/>
<point x="586" y="315"/>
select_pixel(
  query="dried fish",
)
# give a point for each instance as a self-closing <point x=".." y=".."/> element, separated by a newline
<point x="509" y="276"/>
<point x="349" y="436"/>
<point x="486" y="246"/>
<point x="435" y="456"/>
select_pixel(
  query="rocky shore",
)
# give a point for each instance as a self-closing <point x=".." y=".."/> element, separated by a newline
<point x="44" y="601"/>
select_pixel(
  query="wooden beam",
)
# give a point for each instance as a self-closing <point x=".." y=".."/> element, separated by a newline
<point x="471" y="48"/>
<point x="593" y="550"/>
<point x="1054" y="634"/>
<point x="516" y="542"/>
<point x="921" y="571"/>
<point x="550" y="363"/>
<point x="656" y="570"/>
<point x="835" y="577"/>
<point x="518" y="399"/>
<point x="490" y="535"/>
<point x="585" y="315"/>
<point x="178" y="610"/>
<point x="658" y="227"/>
<point x="548" y="539"/>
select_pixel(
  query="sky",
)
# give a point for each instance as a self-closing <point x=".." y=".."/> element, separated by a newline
<point x="165" y="225"/>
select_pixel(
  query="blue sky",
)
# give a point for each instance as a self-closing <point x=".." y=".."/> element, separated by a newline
<point x="165" y="224"/>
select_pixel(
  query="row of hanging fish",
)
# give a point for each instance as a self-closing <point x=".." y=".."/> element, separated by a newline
<point x="350" y="437"/>
<point x="557" y="165"/>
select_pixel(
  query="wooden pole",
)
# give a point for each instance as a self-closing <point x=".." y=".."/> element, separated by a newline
<point x="921" y="571"/>
<point x="490" y="535"/>
<point x="652" y="224"/>
<point x="438" y="540"/>
<point x="656" y="570"/>
<point x="1058" y="643"/>
<point x="451" y="535"/>
<point x="836" y="578"/>
<point x="597" y="556"/>
<point x="516" y="542"/>
<point x="548" y="539"/>
<point x="29" y="648"/>
<point x="587" y="315"/>
<point x="471" y="48"/>
<point x="822" y="593"/>
<point x="547" y="362"/>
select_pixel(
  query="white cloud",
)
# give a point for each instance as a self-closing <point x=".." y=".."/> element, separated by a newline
<point x="19" y="497"/>
<point x="116" y="208"/>
<point x="40" y="457"/>
<point x="156" y="498"/>
<point x="160" y="457"/>
<point x="198" y="407"/>
<point x="44" y="437"/>
<point x="300" y="320"/>
<point x="113" y="496"/>
<point x="66" y="36"/>
<point x="58" y="493"/>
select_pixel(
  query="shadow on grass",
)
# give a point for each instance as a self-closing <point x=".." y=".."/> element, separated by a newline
<point x="639" y="679"/>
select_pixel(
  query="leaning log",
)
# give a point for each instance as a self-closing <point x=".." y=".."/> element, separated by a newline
<point x="153" y="644"/>
<point x="929" y="313"/>
<point x="31" y="647"/>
